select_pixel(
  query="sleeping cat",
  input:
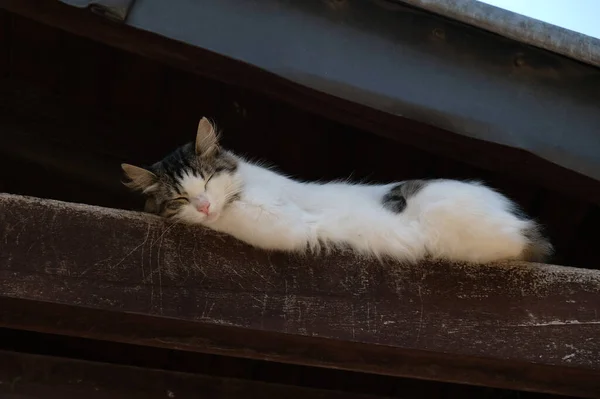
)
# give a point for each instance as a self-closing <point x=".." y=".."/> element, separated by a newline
<point x="202" y="183"/>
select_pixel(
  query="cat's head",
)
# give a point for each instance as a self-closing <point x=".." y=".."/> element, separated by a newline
<point x="193" y="184"/>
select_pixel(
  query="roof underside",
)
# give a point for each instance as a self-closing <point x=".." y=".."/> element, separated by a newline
<point x="409" y="62"/>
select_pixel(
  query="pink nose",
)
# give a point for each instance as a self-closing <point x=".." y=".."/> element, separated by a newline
<point x="203" y="207"/>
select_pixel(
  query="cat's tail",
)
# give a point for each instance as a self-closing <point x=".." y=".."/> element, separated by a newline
<point x="538" y="248"/>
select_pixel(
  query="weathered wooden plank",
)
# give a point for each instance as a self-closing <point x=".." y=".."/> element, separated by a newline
<point x="522" y="326"/>
<point x="103" y="351"/>
<point x="33" y="376"/>
<point x="209" y="64"/>
<point x="193" y="336"/>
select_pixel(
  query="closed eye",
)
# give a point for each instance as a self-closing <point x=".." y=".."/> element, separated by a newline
<point x="176" y="203"/>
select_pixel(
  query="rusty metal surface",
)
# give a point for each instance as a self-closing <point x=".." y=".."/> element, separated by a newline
<point x="113" y="9"/>
<point x="519" y="325"/>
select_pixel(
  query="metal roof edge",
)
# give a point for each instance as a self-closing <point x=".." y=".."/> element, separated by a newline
<point x="116" y="10"/>
<point x="515" y="26"/>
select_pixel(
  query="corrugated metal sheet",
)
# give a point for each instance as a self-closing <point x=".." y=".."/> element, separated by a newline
<point x="518" y="27"/>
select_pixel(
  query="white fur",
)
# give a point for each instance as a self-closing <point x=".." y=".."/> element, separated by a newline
<point x="445" y="219"/>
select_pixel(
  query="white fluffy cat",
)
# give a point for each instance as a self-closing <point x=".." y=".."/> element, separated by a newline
<point x="408" y="221"/>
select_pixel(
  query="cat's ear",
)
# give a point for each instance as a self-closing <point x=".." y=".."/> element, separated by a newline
<point x="139" y="178"/>
<point x="207" y="142"/>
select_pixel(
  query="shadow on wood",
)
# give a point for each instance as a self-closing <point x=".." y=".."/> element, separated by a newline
<point x="34" y="376"/>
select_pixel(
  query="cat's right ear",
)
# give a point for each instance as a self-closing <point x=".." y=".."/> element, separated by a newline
<point x="139" y="178"/>
<point x="207" y="142"/>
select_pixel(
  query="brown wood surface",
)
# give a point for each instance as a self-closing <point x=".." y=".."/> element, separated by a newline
<point x="523" y="326"/>
<point x="206" y="63"/>
<point x="26" y="376"/>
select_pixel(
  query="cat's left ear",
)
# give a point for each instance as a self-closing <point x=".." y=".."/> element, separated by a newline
<point x="207" y="142"/>
<point x="140" y="178"/>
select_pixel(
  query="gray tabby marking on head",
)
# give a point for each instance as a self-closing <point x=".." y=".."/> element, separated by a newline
<point x="395" y="199"/>
<point x="161" y="182"/>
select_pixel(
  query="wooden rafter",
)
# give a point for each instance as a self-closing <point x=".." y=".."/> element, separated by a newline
<point x="128" y="277"/>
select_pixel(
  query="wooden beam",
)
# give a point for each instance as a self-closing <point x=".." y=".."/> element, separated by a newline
<point x="33" y="376"/>
<point x="128" y="277"/>
<point x="203" y="62"/>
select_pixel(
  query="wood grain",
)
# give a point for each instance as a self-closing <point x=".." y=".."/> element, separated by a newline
<point x="517" y="325"/>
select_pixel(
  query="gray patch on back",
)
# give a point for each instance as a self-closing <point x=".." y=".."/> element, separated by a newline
<point x="395" y="200"/>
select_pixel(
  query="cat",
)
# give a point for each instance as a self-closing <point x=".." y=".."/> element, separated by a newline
<point x="408" y="221"/>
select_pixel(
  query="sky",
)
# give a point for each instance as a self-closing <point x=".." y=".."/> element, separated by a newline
<point x="582" y="16"/>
